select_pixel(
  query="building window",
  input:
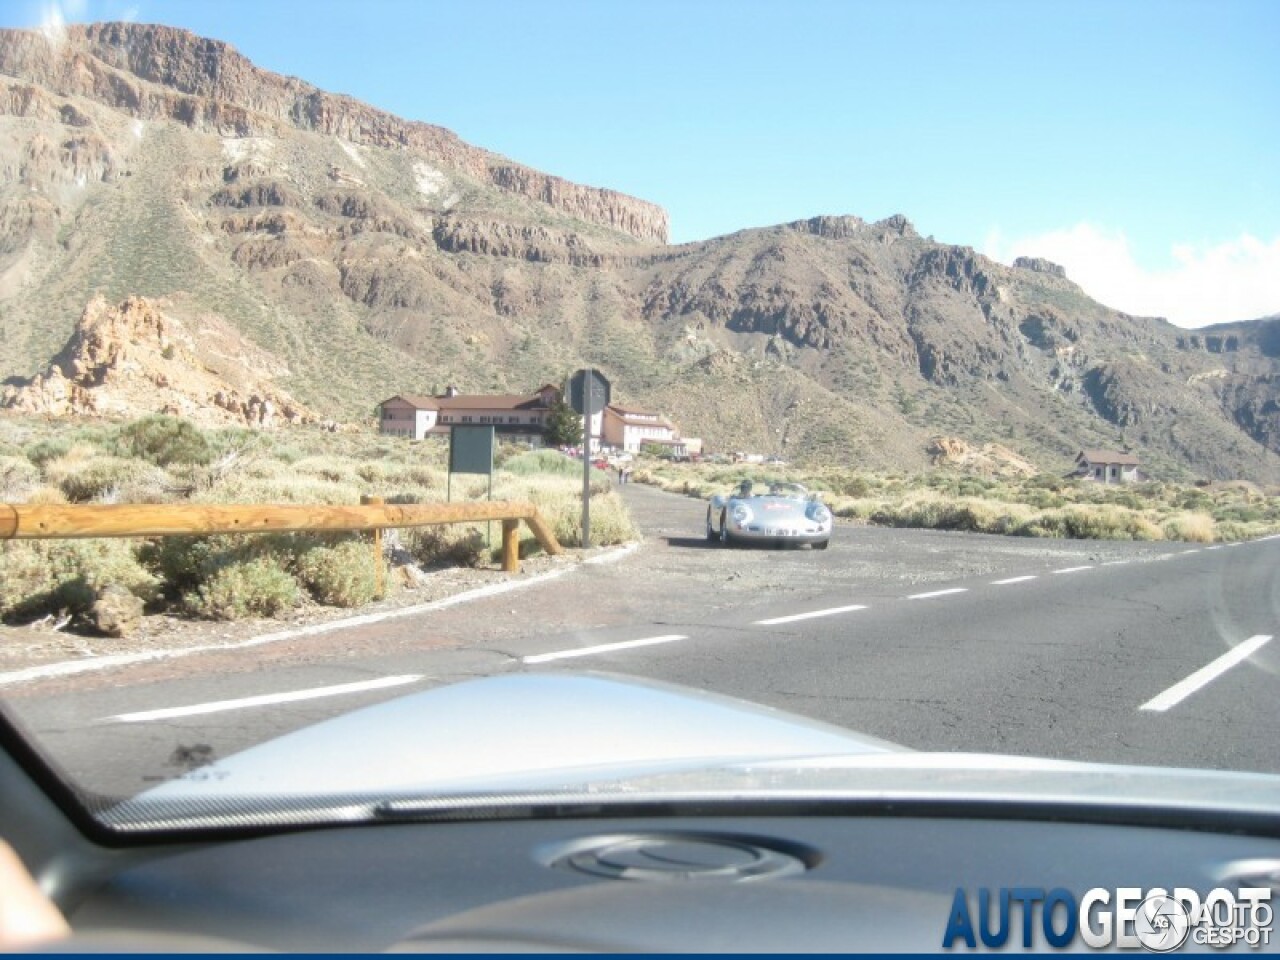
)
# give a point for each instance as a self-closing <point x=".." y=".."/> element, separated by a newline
<point x="466" y="419"/>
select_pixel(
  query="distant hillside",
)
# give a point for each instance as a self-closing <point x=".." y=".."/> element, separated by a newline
<point x="372" y="256"/>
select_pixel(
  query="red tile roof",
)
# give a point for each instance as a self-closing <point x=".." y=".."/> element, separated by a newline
<point x="1109" y="457"/>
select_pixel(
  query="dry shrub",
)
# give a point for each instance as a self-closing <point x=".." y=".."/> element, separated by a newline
<point x="84" y="477"/>
<point x="19" y="477"/>
<point x="238" y="488"/>
<point x="1193" y="527"/>
<point x="237" y="589"/>
<point x="330" y="469"/>
<point x="1081" y="522"/>
<point x="342" y="575"/>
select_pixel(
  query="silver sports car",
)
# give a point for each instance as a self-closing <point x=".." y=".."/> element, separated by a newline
<point x="774" y="513"/>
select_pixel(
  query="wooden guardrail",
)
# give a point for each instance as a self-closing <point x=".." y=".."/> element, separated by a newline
<point x="42" y="521"/>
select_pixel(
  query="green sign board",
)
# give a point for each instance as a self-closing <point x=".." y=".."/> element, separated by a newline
<point x="471" y="450"/>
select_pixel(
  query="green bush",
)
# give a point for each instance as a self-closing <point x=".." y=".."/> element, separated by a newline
<point x="181" y="564"/>
<point x="343" y="575"/>
<point x="446" y="546"/>
<point x="163" y="440"/>
<point x="238" y="589"/>
<point x="46" y="576"/>
<point x="856" y="486"/>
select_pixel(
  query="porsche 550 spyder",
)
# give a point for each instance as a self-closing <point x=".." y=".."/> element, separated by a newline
<point x="769" y="513"/>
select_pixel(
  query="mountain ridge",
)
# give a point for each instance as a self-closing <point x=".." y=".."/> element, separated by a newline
<point x="371" y="267"/>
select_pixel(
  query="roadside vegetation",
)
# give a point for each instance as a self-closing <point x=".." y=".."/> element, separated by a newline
<point x="1041" y="506"/>
<point x="166" y="460"/>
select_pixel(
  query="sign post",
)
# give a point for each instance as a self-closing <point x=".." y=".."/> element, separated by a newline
<point x="589" y="392"/>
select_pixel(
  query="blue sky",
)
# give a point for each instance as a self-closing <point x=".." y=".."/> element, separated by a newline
<point x="1137" y="143"/>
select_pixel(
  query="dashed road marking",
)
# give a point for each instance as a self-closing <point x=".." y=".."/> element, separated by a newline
<point x="1001" y="583"/>
<point x="601" y="648"/>
<point x="937" y="593"/>
<point x="264" y="700"/>
<point x="1087" y="566"/>
<point x="1206" y="674"/>
<point x="829" y="612"/>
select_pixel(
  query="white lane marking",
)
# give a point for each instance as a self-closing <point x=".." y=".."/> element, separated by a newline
<point x="1087" y="566"/>
<point x="68" y="668"/>
<point x="937" y="593"/>
<point x="1187" y="553"/>
<point x="267" y="699"/>
<point x="810" y="615"/>
<point x="1218" y="547"/>
<point x="1001" y="583"/>
<point x="1183" y="689"/>
<point x="1116" y="563"/>
<point x="601" y="648"/>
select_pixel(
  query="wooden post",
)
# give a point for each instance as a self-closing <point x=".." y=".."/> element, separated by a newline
<point x="379" y="566"/>
<point x="542" y="530"/>
<point x="511" y="546"/>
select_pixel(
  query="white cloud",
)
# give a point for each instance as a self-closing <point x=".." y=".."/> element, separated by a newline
<point x="55" y="16"/>
<point x="53" y="24"/>
<point x="1235" y="280"/>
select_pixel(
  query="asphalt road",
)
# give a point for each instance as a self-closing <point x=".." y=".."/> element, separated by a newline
<point x="937" y="641"/>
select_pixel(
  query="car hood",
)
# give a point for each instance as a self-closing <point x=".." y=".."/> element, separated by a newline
<point x="593" y="738"/>
<point x="521" y="730"/>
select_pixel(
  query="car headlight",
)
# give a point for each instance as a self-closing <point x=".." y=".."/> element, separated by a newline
<point x="741" y="514"/>
<point x="818" y="513"/>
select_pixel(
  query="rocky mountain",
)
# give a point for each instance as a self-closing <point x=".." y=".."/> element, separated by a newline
<point x="368" y="256"/>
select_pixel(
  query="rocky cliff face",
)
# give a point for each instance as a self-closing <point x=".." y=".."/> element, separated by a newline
<point x="160" y="73"/>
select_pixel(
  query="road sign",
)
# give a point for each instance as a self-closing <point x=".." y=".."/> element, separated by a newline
<point x="471" y="450"/>
<point x="589" y="392"/>
<point x="597" y="393"/>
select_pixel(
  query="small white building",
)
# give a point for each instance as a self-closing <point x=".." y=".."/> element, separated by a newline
<point x="629" y="428"/>
<point x="1108" y="466"/>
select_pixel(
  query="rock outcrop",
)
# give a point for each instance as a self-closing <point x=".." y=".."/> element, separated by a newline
<point x="1040" y="265"/>
<point x="132" y="359"/>
<point x="991" y="459"/>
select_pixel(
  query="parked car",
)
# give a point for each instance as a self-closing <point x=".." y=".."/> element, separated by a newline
<point x="773" y="513"/>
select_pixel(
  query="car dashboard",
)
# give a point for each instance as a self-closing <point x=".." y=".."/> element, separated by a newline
<point x="797" y="876"/>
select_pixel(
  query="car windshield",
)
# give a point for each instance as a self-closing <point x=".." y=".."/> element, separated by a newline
<point x="382" y="399"/>
<point x="792" y="491"/>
